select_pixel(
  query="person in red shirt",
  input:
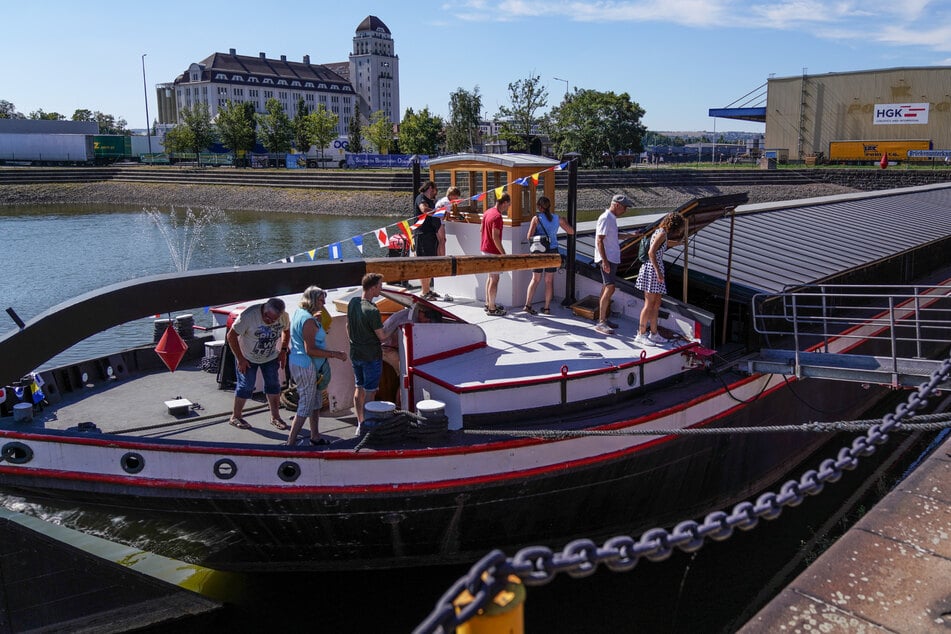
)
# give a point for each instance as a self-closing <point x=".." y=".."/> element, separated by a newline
<point x="492" y="245"/>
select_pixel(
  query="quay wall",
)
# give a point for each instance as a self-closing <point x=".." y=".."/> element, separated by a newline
<point x="388" y="193"/>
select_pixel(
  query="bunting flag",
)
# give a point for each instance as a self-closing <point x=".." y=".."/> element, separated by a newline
<point x="358" y="242"/>
<point x="523" y="181"/>
<point x="480" y="197"/>
<point x="560" y="167"/>
<point x="18" y="391"/>
<point x="312" y="253"/>
<point x="535" y="178"/>
<point x="499" y="191"/>
<point x="284" y="260"/>
<point x="38" y="379"/>
<point x="382" y="238"/>
<point x="38" y="395"/>
<point x="334" y="251"/>
<point x="3" y="394"/>
<point x="404" y="228"/>
<point x="207" y="309"/>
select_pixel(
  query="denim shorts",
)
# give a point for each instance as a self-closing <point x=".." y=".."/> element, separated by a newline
<point x="608" y="279"/>
<point x="366" y="374"/>
<point x="272" y="384"/>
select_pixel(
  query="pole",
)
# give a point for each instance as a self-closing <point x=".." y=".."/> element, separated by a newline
<point x="572" y="209"/>
<point x="566" y="84"/>
<point x="145" y="92"/>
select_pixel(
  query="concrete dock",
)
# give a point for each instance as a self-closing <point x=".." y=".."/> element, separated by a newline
<point x="891" y="572"/>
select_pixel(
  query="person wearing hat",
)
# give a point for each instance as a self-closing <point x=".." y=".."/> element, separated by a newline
<point x="607" y="254"/>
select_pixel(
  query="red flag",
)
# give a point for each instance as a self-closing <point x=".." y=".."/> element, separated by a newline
<point x="884" y="161"/>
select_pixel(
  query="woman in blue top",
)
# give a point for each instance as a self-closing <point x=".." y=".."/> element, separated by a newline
<point x="308" y="360"/>
<point x="544" y="223"/>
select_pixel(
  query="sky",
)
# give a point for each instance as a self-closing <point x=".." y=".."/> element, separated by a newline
<point x="675" y="58"/>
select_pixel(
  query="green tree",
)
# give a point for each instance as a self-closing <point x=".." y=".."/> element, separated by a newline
<point x="596" y="124"/>
<point x="48" y="116"/>
<point x="465" y="114"/>
<point x="520" y="121"/>
<point x="82" y="114"/>
<point x="303" y="137"/>
<point x="179" y="139"/>
<point x="380" y="132"/>
<point x="323" y="127"/>
<point x="236" y="127"/>
<point x="9" y="111"/>
<point x="355" y="132"/>
<point x="274" y="127"/>
<point x="198" y="120"/>
<point x="420" y="133"/>
<point x="109" y="124"/>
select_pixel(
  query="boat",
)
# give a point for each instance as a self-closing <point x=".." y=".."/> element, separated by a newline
<point x="492" y="432"/>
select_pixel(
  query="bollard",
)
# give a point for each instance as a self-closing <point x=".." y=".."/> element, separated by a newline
<point x="503" y="615"/>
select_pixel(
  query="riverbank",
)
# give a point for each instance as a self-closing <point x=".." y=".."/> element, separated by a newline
<point x="352" y="203"/>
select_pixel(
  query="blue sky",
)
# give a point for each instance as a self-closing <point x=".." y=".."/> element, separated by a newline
<point x="676" y="58"/>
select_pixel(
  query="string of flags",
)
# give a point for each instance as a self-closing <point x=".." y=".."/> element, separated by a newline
<point x="335" y="249"/>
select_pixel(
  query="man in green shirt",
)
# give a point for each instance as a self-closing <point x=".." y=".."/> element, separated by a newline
<point x="365" y="330"/>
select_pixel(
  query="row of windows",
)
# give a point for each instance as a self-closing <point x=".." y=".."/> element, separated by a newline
<point x="280" y="82"/>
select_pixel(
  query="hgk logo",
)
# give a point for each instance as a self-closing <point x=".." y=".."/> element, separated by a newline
<point x="889" y="113"/>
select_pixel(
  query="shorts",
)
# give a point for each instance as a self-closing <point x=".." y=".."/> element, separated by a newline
<point x="551" y="270"/>
<point x="494" y="275"/>
<point x="366" y="374"/>
<point x="427" y="244"/>
<point x="245" y="380"/>
<point x="608" y="279"/>
<point x="309" y="398"/>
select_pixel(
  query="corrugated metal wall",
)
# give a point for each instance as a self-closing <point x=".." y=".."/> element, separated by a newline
<point x="840" y="106"/>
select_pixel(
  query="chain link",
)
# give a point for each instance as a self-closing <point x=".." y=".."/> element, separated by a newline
<point x="538" y="565"/>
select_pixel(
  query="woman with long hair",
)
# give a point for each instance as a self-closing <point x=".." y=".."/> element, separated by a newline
<point x="651" y="277"/>
<point x="546" y="224"/>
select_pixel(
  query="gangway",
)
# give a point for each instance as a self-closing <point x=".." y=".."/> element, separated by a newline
<point x="859" y="333"/>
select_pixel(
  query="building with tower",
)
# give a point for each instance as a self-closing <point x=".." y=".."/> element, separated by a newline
<point x="370" y="78"/>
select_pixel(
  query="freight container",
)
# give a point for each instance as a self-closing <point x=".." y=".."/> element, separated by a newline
<point x="871" y="151"/>
<point x="46" y="149"/>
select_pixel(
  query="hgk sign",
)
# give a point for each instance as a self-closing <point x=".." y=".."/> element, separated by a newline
<point x="889" y="113"/>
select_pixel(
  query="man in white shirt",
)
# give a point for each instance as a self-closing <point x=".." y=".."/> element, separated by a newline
<point x="607" y="254"/>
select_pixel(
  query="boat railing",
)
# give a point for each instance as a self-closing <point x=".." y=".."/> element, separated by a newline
<point x="827" y="319"/>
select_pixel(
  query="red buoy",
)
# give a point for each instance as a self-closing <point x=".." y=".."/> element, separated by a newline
<point x="171" y="348"/>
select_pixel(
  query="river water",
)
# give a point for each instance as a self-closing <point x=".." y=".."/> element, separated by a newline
<point x="52" y="254"/>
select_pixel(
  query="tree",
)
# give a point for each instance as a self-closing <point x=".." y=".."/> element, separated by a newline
<point x="82" y="114"/>
<point x="109" y="124"/>
<point x="380" y="132"/>
<point x="194" y="134"/>
<point x="179" y="139"/>
<point x="303" y="137"/>
<point x="9" y="111"/>
<point x="323" y="127"/>
<point x="355" y="130"/>
<point x="596" y="124"/>
<point x="48" y="116"/>
<point x="236" y="126"/>
<point x="274" y="127"/>
<point x="420" y="133"/>
<point x="465" y="114"/>
<point x="520" y="121"/>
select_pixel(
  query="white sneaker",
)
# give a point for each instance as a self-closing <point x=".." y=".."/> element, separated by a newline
<point x="642" y="339"/>
<point x="356" y="432"/>
<point x="656" y="337"/>
<point x="604" y="329"/>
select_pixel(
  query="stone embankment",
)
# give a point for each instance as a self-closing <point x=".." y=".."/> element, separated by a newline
<point x="280" y="199"/>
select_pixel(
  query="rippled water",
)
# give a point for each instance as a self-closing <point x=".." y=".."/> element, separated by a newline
<point x="51" y="254"/>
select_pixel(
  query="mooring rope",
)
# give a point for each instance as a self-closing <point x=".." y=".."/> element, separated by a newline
<point x="925" y="422"/>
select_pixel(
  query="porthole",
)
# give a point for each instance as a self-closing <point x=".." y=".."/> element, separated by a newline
<point x="631" y="379"/>
<point x="16" y="453"/>
<point x="288" y="471"/>
<point x="225" y="468"/>
<point x="132" y="462"/>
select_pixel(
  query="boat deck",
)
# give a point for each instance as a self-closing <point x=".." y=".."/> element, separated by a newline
<point x="519" y="347"/>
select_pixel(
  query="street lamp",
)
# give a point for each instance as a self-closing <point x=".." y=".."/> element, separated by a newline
<point x="145" y="91"/>
<point x="566" y="84"/>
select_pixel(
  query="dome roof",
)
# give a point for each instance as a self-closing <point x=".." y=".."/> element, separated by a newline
<point x="373" y="23"/>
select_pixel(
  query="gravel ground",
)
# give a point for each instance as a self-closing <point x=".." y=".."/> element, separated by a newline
<point x="350" y="203"/>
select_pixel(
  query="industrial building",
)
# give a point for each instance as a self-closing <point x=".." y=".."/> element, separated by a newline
<point x="805" y="115"/>
<point x="370" y="79"/>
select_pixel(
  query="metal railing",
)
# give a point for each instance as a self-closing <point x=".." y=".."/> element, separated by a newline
<point x="909" y="318"/>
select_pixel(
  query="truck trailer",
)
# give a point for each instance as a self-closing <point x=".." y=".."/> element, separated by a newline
<point x="871" y="151"/>
<point x="46" y="149"/>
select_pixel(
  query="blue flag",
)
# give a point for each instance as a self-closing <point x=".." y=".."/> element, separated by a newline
<point x="334" y="251"/>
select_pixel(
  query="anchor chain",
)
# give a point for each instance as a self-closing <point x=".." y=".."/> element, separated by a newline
<point x="538" y="565"/>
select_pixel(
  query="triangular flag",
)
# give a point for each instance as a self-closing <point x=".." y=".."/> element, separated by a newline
<point x="382" y="238"/>
<point x="499" y="191"/>
<point x="3" y="394"/>
<point x="334" y="251"/>
<point x="404" y="228"/>
<point x="358" y="242"/>
<point x="478" y="197"/>
<point x="561" y="167"/>
<point x="535" y="178"/>
<point x="521" y="181"/>
<point x="325" y="318"/>
<point x="312" y="253"/>
<point x="37" y="393"/>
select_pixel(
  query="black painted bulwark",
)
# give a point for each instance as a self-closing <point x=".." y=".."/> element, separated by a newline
<point x="60" y="327"/>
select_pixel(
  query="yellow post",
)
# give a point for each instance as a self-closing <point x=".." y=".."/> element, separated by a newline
<point x="503" y="615"/>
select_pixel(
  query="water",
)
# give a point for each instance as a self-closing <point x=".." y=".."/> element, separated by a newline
<point x="52" y="254"/>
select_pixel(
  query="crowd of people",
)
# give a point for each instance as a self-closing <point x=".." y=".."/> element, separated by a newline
<point x="264" y="339"/>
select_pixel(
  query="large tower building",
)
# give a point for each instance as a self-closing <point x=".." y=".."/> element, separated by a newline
<point x="371" y="77"/>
